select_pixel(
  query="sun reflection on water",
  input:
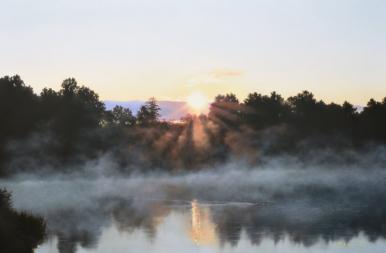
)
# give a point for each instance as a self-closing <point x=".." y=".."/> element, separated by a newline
<point x="202" y="230"/>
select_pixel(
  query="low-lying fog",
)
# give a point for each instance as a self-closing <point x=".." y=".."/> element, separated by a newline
<point x="282" y="201"/>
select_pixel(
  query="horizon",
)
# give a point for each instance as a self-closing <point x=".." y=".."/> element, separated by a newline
<point x="194" y="104"/>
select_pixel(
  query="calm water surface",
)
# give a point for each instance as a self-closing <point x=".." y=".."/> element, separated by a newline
<point x="265" y="212"/>
<point x="200" y="227"/>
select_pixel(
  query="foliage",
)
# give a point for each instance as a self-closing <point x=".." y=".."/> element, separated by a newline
<point x="19" y="232"/>
<point x="71" y="126"/>
<point x="149" y="113"/>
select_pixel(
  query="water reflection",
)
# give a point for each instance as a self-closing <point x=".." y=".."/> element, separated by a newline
<point x="194" y="215"/>
<point x="221" y="227"/>
<point x="202" y="230"/>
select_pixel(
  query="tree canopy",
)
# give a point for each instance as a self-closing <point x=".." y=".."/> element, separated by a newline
<point x="72" y="125"/>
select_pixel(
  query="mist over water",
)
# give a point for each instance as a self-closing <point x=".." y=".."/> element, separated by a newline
<point x="232" y="208"/>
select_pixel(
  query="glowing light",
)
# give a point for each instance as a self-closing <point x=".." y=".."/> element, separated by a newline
<point x="202" y="229"/>
<point x="197" y="102"/>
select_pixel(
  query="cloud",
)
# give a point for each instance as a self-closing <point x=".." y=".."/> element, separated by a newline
<point x="225" y="73"/>
<point x="213" y="76"/>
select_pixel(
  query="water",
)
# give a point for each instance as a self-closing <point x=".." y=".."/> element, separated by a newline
<point x="199" y="214"/>
<point x="197" y="227"/>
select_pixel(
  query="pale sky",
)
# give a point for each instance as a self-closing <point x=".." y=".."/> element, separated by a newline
<point x="134" y="49"/>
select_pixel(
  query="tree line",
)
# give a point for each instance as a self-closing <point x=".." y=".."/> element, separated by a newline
<point x="72" y="125"/>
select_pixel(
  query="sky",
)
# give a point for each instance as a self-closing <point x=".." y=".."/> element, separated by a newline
<point x="135" y="49"/>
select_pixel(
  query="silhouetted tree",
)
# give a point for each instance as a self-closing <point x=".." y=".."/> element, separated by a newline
<point x="19" y="112"/>
<point x="373" y="121"/>
<point x="225" y="110"/>
<point x="80" y="107"/>
<point x="79" y="128"/>
<point x="50" y="103"/>
<point x="263" y="111"/>
<point x="72" y="114"/>
<point x="19" y="232"/>
<point x="149" y="113"/>
<point x="123" y="116"/>
<point x="305" y="112"/>
<point x="18" y="108"/>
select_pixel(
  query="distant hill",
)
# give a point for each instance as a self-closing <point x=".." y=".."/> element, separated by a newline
<point x="170" y="110"/>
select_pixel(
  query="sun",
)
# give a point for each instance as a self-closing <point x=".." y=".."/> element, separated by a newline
<point x="197" y="102"/>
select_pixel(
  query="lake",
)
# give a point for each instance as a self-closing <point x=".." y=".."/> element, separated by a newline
<point x="195" y="214"/>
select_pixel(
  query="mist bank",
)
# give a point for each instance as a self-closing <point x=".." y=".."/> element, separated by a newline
<point x="279" y="180"/>
<point x="279" y="199"/>
<point x="175" y="151"/>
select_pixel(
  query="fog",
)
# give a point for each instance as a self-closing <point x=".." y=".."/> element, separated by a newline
<point x="281" y="179"/>
<point x="281" y="198"/>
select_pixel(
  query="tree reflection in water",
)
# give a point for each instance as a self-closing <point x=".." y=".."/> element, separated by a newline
<point x="220" y="223"/>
